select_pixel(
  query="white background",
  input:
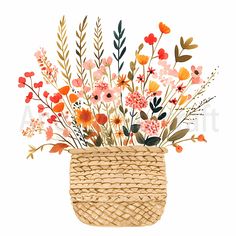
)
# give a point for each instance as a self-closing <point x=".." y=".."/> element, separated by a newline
<point x="34" y="195"/>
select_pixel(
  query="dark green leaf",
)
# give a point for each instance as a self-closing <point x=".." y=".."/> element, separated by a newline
<point x="125" y="130"/>
<point x="152" y="141"/>
<point x="139" y="137"/>
<point x="120" y="67"/>
<point x="115" y="45"/>
<point x="151" y="106"/>
<point x="143" y="115"/>
<point x="184" y="58"/>
<point x="178" y="135"/>
<point x="98" y="141"/>
<point x="173" y="124"/>
<point x="121" y="34"/>
<point x="156" y="102"/>
<point x="122" y="42"/>
<point x="120" y="26"/>
<point x="162" y="116"/>
<point x="122" y="52"/>
<point x="116" y="36"/>
<point x="115" y="56"/>
<point x="121" y="109"/>
<point x="135" y="128"/>
<point x="155" y="110"/>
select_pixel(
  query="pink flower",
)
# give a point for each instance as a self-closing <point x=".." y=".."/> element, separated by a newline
<point x="77" y="82"/>
<point x="196" y="75"/>
<point x="96" y="96"/>
<point x="140" y="78"/>
<point x="136" y="100"/>
<point x="49" y="133"/>
<point x="102" y="69"/>
<point x="150" y="127"/>
<point x="102" y="86"/>
<point x="97" y="75"/>
<point x="89" y="65"/>
<point x="80" y="94"/>
<point x="66" y="133"/>
<point x="86" y="89"/>
<point x="114" y="76"/>
<point x="108" y="95"/>
<point x="40" y="108"/>
<point x="107" y="62"/>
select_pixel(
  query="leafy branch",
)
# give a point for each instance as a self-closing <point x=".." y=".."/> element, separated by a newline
<point x="33" y="150"/>
<point x="81" y="48"/>
<point x="63" y="51"/>
<point x="184" y="45"/>
<point x="118" y="44"/>
<point x="98" y="43"/>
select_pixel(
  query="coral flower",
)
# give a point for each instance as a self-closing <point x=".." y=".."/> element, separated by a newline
<point x="108" y="95"/>
<point x="164" y="28"/>
<point x="178" y="148"/>
<point x="201" y="138"/>
<point x="196" y="74"/>
<point x="116" y="121"/>
<point x="101" y="119"/>
<point x="150" y="127"/>
<point x="101" y="86"/>
<point x="150" y="39"/>
<point x="107" y="62"/>
<point x="77" y="82"/>
<point x="136" y="101"/>
<point x="89" y="65"/>
<point x="96" y="96"/>
<point x="122" y="82"/>
<point x="84" y="117"/>
<point x="183" y="74"/>
<point x="142" y="59"/>
<point x="153" y="86"/>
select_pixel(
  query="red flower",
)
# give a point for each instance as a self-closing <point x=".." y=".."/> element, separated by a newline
<point x="181" y="88"/>
<point x="174" y="101"/>
<point x="29" y="97"/>
<point x="21" y="82"/>
<point x="38" y="85"/>
<point x="51" y="119"/>
<point x="151" y="70"/>
<point x="101" y="119"/>
<point x="178" y="148"/>
<point x="40" y="108"/>
<point x="29" y="74"/>
<point x="55" y="98"/>
<point x="150" y="39"/>
<point x="140" y="78"/>
<point x="162" y="54"/>
<point x="45" y="94"/>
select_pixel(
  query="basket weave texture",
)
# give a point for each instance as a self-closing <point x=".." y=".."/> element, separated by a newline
<point x="118" y="186"/>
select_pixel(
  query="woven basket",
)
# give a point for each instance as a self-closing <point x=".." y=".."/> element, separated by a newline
<point x="118" y="186"/>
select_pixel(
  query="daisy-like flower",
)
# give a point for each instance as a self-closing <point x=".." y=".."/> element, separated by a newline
<point x="122" y="82"/>
<point x="173" y="101"/>
<point x="119" y="134"/>
<point x="96" y="96"/>
<point x="150" y="127"/>
<point x="140" y="79"/>
<point x="84" y="117"/>
<point x="136" y="101"/>
<point x="116" y="121"/>
<point x="108" y="95"/>
<point x="151" y="70"/>
<point x="181" y="88"/>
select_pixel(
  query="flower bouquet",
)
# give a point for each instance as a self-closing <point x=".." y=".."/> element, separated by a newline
<point x="116" y="118"/>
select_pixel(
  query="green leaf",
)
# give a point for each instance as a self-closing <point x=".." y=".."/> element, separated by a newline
<point x="135" y="128"/>
<point x="155" y="110"/>
<point x="122" y="42"/>
<point x="139" y="137"/>
<point x="130" y="75"/>
<point x="176" y="52"/>
<point x="156" y="102"/>
<point x="152" y="141"/>
<point x="165" y="134"/>
<point x="178" y="135"/>
<point x="173" y="124"/>
<point x="183" y="58"/>
<point x="116" y="36"/>
<point x="98" y="141"/>
<point x="122" y="52"/>
<point x="125" y="130"/>
<point x="120" y="26"/>
<point x="121" y="109"/>
<point x="120" y="67"/>
<point x="140" y="47"/>
<point x="162" y="116"/>
<point x="143" y="115"/>
<point x="115" y="45"/>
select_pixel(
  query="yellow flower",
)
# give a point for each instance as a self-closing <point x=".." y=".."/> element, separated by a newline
<point x="142" y="59"/>
<point x="153" y="86"/>
<point x="183" y="99"/>
<point x="183" y="74"/>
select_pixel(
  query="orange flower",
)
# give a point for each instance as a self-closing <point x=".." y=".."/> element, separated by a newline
<point x="101" y="119"/>
<point x="142" y="59"/>
<point x="122" y="82"/>
<point x="73" y="98"/>
<point x="64" y="90"/>
<point x="153" y="86"/>
<point x="116" y="120"/>
<point x="178" y="148"/>
<point x="59" y="107"/>
<point x="201" y="138"/>
<point x="183" y="99"/>
<point x="84" y="117"/>
<point x="183" y="74"/>
<point x="119" y="134"/>
<point x="164" y="28"/>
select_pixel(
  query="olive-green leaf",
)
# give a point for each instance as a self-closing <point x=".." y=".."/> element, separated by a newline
<point x="139" y="137"/>
<point x="140" y="47"/>
<point x="98" y="142"/>
<point x="176" y="52"/>
<point x="192" y="46"/>
<point x="178" y="135"/>
<point x="143" y="115"/>
<point x="188" y="41"/>
<point x="182" y="42"/>
<point x="183" y="58"/>
<point x="173" y="124"/>
<point x="165" y="134"/>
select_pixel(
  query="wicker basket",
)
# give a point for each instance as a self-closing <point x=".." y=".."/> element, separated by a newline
<point x="118" y="186"/>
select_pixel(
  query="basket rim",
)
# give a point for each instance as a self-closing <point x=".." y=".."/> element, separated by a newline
<point x="161" y="150"/>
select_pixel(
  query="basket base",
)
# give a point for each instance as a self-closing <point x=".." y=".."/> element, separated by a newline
<point x="119" y="214"/>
